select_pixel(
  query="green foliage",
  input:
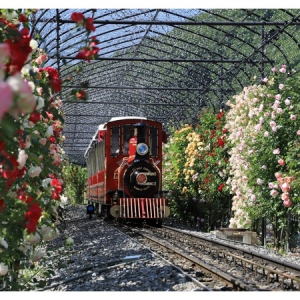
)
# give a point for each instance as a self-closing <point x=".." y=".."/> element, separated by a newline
<point x="75" y="178"/>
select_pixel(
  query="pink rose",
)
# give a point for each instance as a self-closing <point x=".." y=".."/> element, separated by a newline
<point x="277" y="175"/>
<point x="6" y="98"/>
<point x="281" y="162"/>
<point x="293" y="117"/>
<point x="287" y="203"/>
<point x="298" y="132"/>
<point x="41" y="59"/>
<point x="245" y="178"/>
<point x="259" y="181"/>
<point x="278" y="97"/>
<point x="285" y="197"/>
<point x="287" y="101"/>
<point x="276" y="151"/>
<point x="257" y="127"/>
<point x="282" y="70"/>
<point x="273" y="193"/>
<point x="285" y="187"/>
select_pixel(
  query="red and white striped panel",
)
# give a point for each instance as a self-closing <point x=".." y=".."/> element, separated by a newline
<point x="143" y="208"/>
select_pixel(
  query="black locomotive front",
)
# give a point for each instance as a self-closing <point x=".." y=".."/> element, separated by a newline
<point x="141" y="178"/>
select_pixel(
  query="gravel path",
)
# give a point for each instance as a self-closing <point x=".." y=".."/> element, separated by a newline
<point x="131" y="266"/>
<point x="102" y="258"/>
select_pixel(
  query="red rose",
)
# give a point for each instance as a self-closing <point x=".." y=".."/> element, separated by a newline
<point x="2" y="205"/>
<point x="32" y="216"/>
<point x="220" y="188"/>
<point x="77" y="17"/>
<point x="35" y="117"/>
<point x="89" y="24"/>
<point x="221" y="142"/>
<point x="23" y="18"/>
<point x="57" y="188"/>
<point x="9" y="164"/>
<point x="56" y="84"/>
<point x="54" y="79"/>
<point x="52" y="139"/>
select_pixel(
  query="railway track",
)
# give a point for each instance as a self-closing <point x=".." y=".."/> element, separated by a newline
<point x="224" y="266"/>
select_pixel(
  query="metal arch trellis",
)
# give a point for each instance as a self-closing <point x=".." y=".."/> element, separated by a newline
<point x="165" y="64"/>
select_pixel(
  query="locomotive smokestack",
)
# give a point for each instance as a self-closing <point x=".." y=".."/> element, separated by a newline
<point x="141" y="132"/>
<point x="142" y="151"/>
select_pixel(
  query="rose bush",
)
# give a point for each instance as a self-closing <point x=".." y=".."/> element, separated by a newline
<point x="206" y="168"/>
<point x="263" y="122"/>
<point x="196" y="170"/>
<point x="180" y="202"/>
<point x="30" y="139"/>
<point x="31" y="156"/>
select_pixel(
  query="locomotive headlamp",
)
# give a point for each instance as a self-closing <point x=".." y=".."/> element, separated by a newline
<point x="142" y="149"/>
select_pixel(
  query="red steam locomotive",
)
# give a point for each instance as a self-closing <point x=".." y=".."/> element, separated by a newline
<point x="124" y="162"/>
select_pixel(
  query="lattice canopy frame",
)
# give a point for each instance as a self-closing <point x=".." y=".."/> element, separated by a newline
<point x="163" y="64"/>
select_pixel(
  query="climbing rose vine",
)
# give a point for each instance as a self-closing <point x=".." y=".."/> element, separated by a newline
<point x="264" y="124"/>
<point x="31" y="156"/>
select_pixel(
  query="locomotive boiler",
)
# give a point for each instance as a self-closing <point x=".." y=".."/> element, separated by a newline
<point x="124" y="165"/>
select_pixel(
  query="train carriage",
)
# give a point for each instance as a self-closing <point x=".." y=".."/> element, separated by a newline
<point x="124" y="163"/>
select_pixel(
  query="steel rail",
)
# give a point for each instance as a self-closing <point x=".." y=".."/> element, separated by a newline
<point x="214" y="272"/>
<point x="219" y="246"/>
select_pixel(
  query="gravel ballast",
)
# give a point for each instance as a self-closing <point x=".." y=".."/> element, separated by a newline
<point x="102" y="258"/>
<point x="111" y="260"/>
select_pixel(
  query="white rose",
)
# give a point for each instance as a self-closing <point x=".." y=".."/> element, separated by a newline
<point x="46" y="183"/>
<point x="4" y="243"/>
<point x="49" y="131"/>
<point x="25" y="247"/>
<point x="25" y="70"/>
<point x="49" y="234"/>
<point x="40" y="103"/>
<point x="33" y="238"/>
<point x="34" y="171"/>
<point x="38" y="254"/>
<point x="33" y="44"/>
<point x="32" y="85"/>
<point x="22" y="158"/>
<point x="3" y="269"/>
<point x="63" y="199"/>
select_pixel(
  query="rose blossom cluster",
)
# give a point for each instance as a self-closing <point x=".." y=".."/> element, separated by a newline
<point x="242" y="127"/>
<point x="31" y="126"/>
<point x="263" y="125"/>
<point x="206" y="159"/>
<point x="285" y="186"/>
